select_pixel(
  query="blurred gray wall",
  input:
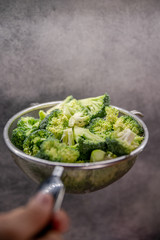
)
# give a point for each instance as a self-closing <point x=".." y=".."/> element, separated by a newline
<point x="53" y="48"/>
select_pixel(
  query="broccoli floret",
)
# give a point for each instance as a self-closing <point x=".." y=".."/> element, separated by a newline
<point x="25" y="126"/>
<point x="125" y="122"/>
<point x="28" y="124"/>
<point x="51" y="149"/>
<point x="42" y="115"/>
<point x="18" y="137"/>
<point x="80" y="119"/>
<point x="87" y="142"/>
<point x="68" y="137"/>
<point x="56" y="122"/>
<point x="72" y="107"/>
<point x="87" y="146"/>
<point x="96" y="106"/>
<point x="110" y="155"/>
<point x="60" y="105"/>
<point x="32" y="143"/>
<point x="138" y="140"/>
<point x="111" y="114"/>
<point x="100" y="127"/>
<point x="122" y="143"/>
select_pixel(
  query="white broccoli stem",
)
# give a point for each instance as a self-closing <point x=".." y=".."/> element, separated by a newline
<point x="74" y="119"/>
<point x="70" y="138"/>
<point x="67" y="137"/>
<point x="77" y="120"/>
<point x="126" y="135"/>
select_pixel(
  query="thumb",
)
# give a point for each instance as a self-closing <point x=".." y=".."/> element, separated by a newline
<point x="24" y="222"/>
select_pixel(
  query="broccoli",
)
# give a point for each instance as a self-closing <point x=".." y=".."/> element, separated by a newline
<point x="111" y="114"/>
<point x="42" y="115"/>
<point x="51" y="149"/>
<point x="125" y="122"/>
<point x="97" y="155"/>
<point x="18" y="137"/>
<point x="72" y="107"/>
<point x="100" y="126"/>
<point x="80" y="119"/>
<point x="109" y="155"/>
<point x="68" y="137"/>
<point x="56" y="122"/>
<point x="25" y="126"/>
<point x="122" y="143"/>
<point x="60" y="105"/>
<point x="87" y="142"/>
<point x="78" y="131"/>
<point x="74" y="111"/>
<point x="69" y="106"/>
<point x="96" y="106"/>
<point x="32" y="143"/>
<point x="28" y="123"/>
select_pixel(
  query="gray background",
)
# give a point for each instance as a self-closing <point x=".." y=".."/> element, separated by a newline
<point x="51" y="49"/>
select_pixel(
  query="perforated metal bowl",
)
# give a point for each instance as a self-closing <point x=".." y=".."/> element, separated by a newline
<point x="77" y="177"/>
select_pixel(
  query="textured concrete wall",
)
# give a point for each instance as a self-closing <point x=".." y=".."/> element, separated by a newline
<point x="53" y="48"/>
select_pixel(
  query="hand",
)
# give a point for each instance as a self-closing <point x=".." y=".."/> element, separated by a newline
<point x="24" y="223"/>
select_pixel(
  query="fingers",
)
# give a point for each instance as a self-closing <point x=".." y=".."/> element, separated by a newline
<point x="52" y="235"/>
<point x="25" y="222"/>
<point x="60" y="221"/>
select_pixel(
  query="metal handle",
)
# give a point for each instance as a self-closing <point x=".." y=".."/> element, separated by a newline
<point x="54" y="186"/>
<point x="137" y="113"/>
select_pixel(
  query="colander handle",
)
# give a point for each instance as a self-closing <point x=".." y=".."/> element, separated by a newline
<point x="137" y="113"/>
<point x="54" y="186"/>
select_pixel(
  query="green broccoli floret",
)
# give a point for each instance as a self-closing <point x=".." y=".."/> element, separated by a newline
<point x="56" y="122"/>
<point x="125" y="122"/>
<point x="74" y="111"/>
<point x="42" y="115"/>
<point x="77" y="114"/>
<point x="18" y="137"/>
<point x="68" y="137"/>
<point x="100" y="127"/>
<point x="72" y="107"/>
<point x="80" y="119"/>
<point x="51" y="149"/>
<point x="96" y="106"/>
<point x="32" y="143"/>
<point x="25" y="126"/>
<point x="60" y="105"/>
<point x="28" y="124"/>
<point x="109" y="155"/>
<point x="122" y="143"/>
<point x="87" y="142"/>
<point x="111" y="114"/>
